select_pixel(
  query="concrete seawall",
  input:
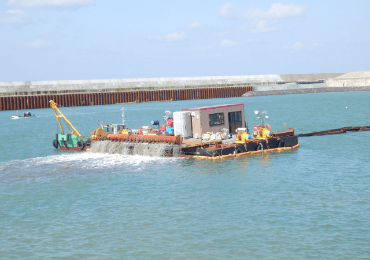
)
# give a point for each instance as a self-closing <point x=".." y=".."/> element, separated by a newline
<point x="304" y="91"/>
<point x="288" y="86"/>
<point x="145" y="84"/>
<point x="351" y="81"/>
<point x="36" y="94"/>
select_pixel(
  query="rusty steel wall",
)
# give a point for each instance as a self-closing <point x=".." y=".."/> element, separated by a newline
<point x="70" y="100"/>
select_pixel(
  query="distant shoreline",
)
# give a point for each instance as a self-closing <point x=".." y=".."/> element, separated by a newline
<point x="305" y="91"/>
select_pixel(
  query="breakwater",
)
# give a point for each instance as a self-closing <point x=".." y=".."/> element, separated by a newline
<point x="105" y="98"/>
<point x="29" y="88"/>
<point x="304" y="91"/>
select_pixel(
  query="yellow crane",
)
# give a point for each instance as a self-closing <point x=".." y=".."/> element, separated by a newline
<point x="54" y="106"/>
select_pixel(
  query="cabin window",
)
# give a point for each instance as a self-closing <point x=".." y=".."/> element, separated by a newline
<point x="235" y="116"/>
<point x="216" y="119"/>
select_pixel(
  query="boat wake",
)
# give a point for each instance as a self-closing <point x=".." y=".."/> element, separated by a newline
<point x="71" y="165"/>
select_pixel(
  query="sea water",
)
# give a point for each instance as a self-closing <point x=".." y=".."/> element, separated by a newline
<point x="309" y="203"/>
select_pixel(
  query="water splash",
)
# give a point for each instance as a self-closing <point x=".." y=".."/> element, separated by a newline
<point x="76" y="165"/>
<point x="126" y="148"/>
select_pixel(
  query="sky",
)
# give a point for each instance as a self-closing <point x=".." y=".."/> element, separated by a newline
<point x="43" y="40"/>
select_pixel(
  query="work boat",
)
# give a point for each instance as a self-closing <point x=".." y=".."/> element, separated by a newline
<point x="72" y="141"/>
<point x="25" y="115"/>
<point x="211" y="132"/>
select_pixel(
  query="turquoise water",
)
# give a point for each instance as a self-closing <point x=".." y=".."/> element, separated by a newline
<point x="308" y="203"/>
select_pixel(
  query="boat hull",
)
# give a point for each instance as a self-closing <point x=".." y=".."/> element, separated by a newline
<point x="72" y="148"/>
<point x="211" y="150"/>
<point x="21" y="117"/>
<point x="217" y="150"/>
<point x="205" y="150"/>
<point x="71" y="142"/>
<point x="281" y="149"/>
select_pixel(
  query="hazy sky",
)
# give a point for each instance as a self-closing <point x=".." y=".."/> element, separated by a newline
<point x="111" y="39"/>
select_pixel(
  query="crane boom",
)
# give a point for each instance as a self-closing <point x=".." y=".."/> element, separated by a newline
<point x="54" y="106"/>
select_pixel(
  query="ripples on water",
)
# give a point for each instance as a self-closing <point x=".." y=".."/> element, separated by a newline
<point x="312" y="202"/>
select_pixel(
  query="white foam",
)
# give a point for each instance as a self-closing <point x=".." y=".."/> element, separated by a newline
<point x="87" y="160"/>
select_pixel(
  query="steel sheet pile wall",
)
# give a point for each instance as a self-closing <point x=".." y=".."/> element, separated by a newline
<point x="69" y="100"/>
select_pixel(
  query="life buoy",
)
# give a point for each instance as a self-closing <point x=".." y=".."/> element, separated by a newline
<point x="281" y="144"/>
<point x="268" y="126"/>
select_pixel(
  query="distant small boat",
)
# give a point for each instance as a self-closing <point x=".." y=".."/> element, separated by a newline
<point x="25" y="115"/>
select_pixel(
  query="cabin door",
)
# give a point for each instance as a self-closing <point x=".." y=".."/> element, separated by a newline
<point x="235" y="121"/>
